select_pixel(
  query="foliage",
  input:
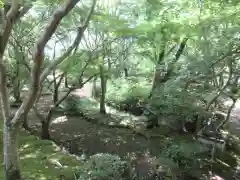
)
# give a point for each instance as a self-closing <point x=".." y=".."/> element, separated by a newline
<point x="1" y="4"/>
<point x="35" y="157"/>
<point x="127" y="39"/>
<point x="186" y="155"/>
<point x="127" y="92"/>
<point x="71" y="104"/>
<point x="104" y="166"/>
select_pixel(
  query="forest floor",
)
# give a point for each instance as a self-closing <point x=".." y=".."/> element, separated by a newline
<point x="97" y="138"/>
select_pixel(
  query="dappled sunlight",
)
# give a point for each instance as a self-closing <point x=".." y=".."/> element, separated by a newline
<point x="60" y="119"/>
<point x="161" y="71"/>
<point x="126" y="122"/>
<point x="31" y="155"/>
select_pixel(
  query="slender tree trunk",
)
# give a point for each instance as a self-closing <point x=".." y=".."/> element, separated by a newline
<point x="103" y="90"/>
<point x="45" y="130"/>
<point x="161" y="79"/>
<point x="11" y="160"/>
<point x="157" y="73"/>
<point x="94" y="87"/>
<point x="25" y="124"/>
<point x="65" y="80"/>
<point x="45" y="122"/>
<point x="125" y="70"/>
<point x="45" y="126"/>
<point x="55" y="88"/>
<point x="17" y="87"/>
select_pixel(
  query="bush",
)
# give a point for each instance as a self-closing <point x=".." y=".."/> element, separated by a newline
<point x="187" y="156"/>
<point x="71" y="103"/>
<point x="104" y="167"/>
<point x="177" y="105"/>
<point x="125" y="94"/>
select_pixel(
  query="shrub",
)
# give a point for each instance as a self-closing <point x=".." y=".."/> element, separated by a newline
<point x="187" y="155"/>
<point x="104" y="167"/>
<point x="71" y="103"/>
<point x="125" y="94"/>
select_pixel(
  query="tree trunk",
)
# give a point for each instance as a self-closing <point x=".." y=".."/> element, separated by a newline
<point x="55" y="88"/>
<point x="45" y="126"/>
<point x="11" y="160"/>
<point x="161" y="79"/>
<point x="65" y="80"/>
<point x="17" y="87"/>
<point x="103" y="90"/>
<point x="25" y="124"/>
<point x="125" y="70"/>
<point x="157" y="73"/>
<point x="94" y="87"/>
<point x="45" y="131"/>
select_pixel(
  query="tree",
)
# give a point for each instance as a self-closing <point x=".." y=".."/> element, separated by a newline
<point x="12" y="122"/>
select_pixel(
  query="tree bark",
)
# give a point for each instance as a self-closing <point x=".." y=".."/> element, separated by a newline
<point x="103" y="90"/>
<point x="11" y="158"/>
<point x="65" y="80"/>
<point x="17" y="86"/>
<point x="157" y="73"/>
<point x="94" y="87"/>
<point x="45" y="134"/>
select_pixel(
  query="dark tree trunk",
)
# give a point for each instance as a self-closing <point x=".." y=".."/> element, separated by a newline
<point x="157" y="73"/>
<point x="125" y="72"/>
<point x="103" y="90"/>
<point x="65" y="80"/>
<point x="17" y="87"/>
<point x="25" y="125"/>
<point x="45" y="134"/>
<point x="55" y="88"/>
<point x="45" y="131"/>
<point x="55" y="95"/>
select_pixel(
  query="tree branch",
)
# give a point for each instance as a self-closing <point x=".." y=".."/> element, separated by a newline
<point x="4" y="91"/>
<point x="38" y="57"/>
<point x="75" y="44"/>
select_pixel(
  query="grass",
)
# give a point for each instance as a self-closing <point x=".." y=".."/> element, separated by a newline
<point x="37" y="159"/>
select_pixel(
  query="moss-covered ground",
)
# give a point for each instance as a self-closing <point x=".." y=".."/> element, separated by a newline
<point x="38" y="159"/>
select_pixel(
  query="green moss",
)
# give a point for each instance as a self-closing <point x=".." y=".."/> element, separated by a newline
<point x="37" y="159"/>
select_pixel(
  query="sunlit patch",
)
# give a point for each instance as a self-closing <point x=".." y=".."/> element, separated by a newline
<point x="26" y="146"/>
<point x="106" y="140"/>
<point x="125" y="122"/>
<point x="60" y="119"/>
<point x="30" y="155"/>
